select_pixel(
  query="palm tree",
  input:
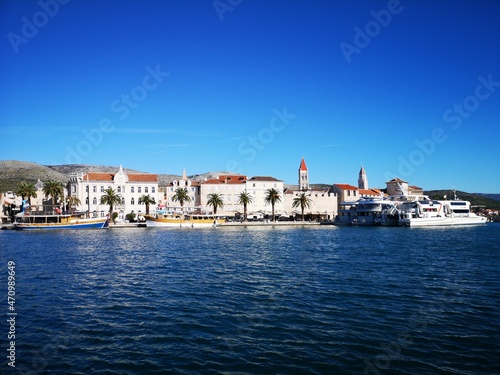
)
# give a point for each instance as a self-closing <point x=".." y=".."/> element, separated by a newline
<point x="54" y="189"/>
<point x="26" y="189"/>
<point x="147" y="200"/>
<point x="110" y="198"/>
<point x="303" y="201"/>
<point x="272" y="196"/>
<point x="72" y="201"/>
<point x="215" y="200"/>
<point x="245" y="199"/>
<point x="181" y="195"/>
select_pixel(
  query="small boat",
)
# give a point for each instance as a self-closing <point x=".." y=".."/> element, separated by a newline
<point x="26" y="221"/>
<point x="176" y="220"/>
<point x="428" y="212"/>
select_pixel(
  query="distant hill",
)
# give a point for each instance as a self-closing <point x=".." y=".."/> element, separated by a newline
<point x="475" y="199"/>
<point x="491" y="196"/>
<point x="13" y="172"/>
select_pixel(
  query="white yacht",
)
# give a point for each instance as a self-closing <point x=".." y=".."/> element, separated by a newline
<point x="368" y="212"/>
<point x="427" y="212"/>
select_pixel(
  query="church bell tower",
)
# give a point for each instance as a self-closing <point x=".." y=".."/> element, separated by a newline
<point x="303" y="176"/>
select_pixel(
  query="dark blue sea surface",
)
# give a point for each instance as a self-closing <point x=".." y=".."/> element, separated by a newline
<point x="262" y="300"/>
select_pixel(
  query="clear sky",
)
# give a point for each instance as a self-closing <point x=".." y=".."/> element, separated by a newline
<point x="405" y="88"/>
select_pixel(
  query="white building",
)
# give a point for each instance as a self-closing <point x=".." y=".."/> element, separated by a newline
<point x="257" y="187"/>
<point x="229" y="187"/>
<point x="90" y="187"/>
<point x="323" y="202"/>
<point x="193" y="188"/>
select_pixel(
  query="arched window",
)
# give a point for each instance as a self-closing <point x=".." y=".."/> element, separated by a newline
<point x="94" y="201"/>
<point x="132" y="201"/>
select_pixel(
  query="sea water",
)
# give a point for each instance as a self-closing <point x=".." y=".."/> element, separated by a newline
<point x="260" y="300"/>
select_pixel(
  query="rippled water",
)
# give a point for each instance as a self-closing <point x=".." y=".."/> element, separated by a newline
<point x="258" y="300"/>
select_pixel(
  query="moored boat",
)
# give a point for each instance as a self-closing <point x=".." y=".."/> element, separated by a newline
<point x="428" y="212"/>
<point x="25" y="221"/>
<point x="176" y="220"/>
<point x="369" y="212"/>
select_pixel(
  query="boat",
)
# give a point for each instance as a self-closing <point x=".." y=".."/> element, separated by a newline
<point x="428" y="212"/>
<point x="369" y="212"/>
<point x="177" y="220"/>
<point x="27" y="221"/>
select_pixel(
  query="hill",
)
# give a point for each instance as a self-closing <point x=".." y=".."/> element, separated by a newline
<point x="13" y="172"/>
<point x="475" y="199"/>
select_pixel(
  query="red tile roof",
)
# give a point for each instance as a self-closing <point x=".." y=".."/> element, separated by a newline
<point x="142" y="177"/>
<point x="132" y="177"/>
<point x="373" y="192"/>
<point x="346" y="187"/>
<point x="303" y="166"/>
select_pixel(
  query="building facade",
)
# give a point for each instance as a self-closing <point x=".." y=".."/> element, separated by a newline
<point x="90" y="187"/>
<point x="323" y="202"/>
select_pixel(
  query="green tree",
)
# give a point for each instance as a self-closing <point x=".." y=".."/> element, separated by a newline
<point x="302" y="201"/>
<point x="147" y="200"/>
<point x="111" y="199"/>
<point x="181" y="195"/>
<point x="215" y="200"/>
<point x="54" y="189"/>
<point x="26" y="189"/>
<point x="272" y="197"/>
<point x="245" y="199"/>
<point x="72" y="201"/>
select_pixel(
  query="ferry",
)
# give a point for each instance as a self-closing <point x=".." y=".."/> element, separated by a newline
<point x="369" y="212"/>
<point x="26" y="221"/>
<point x="177" y="220"/>
<point x="428" y="212"/>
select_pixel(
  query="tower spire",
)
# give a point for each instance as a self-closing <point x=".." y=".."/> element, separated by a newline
<point x="362" y="179"/>
<point x="303" y="175"/>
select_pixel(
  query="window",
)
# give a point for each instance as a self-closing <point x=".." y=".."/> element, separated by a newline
<point x="102" y="189"/>
<point x="73" y="188"/>
<point x="132" y="201"/>
<point x="139" y="189"/>
<point x="146" y="189"/>
<point x="87" y="200"/>
<point x="87" y="188"/>
<point x="123" y="200"/>
<point x="94" y="201"/>
<point x="132" y="190"/>
<point x="94" y="189"/>
<point x="153" y="189"/>
<point x="119" y="189"/>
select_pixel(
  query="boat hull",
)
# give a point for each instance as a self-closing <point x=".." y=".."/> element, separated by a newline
<point x="182" y="223"/>
<point x="78" y="224"/>
<point x="441" y="221"/>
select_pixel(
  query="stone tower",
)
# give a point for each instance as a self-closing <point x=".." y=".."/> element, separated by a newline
<point x="303" y="176"/>
<point x="362" y="179"/>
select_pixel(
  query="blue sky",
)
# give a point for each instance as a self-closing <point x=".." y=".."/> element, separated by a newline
<point x="405" y="88"/>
